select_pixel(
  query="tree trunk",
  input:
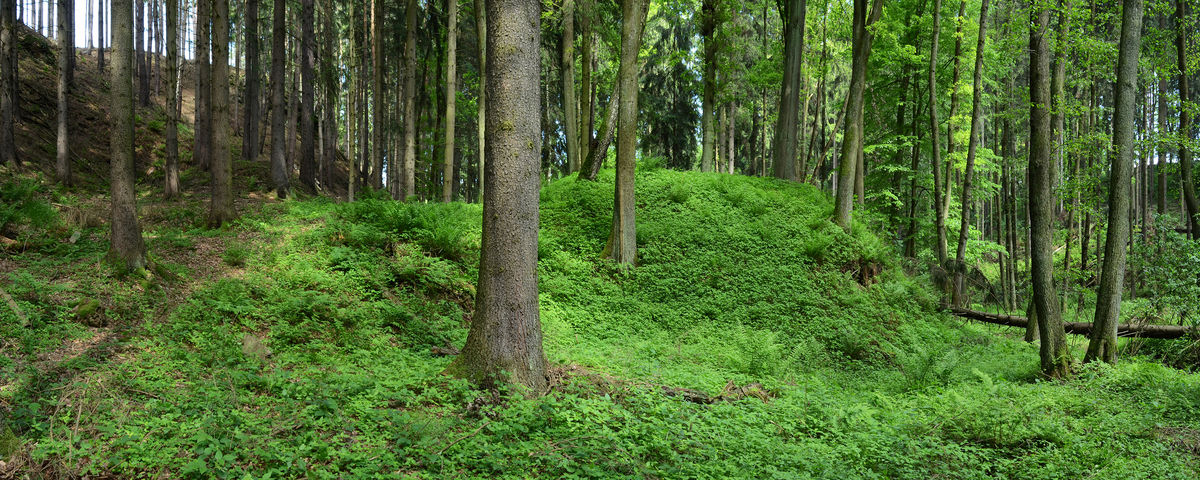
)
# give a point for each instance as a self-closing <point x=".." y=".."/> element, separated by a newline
<point x="410" y="99"/>
<point x="1160" y="190"/>
<point x="598" y="150"/>
<point x="378" y="101"/>
<point x="127" y="246"/>
<point x="451" y="97"/>
<point x="66" y="51"/>
<point x="202" y="151"/>
<point x="143" y="71"/>
<point x="570" y="123"/>
<point x="481" y="124"/>
<point x="587" y="102"/>
<point x="505" y="340"/>
<point x="789" y="93"/>
<point x="622" y="243"/>
<point x="976" y="130"/>
<point x="935" y="150"/>
<point x="279" y="114"/>
<point x="1185" y="125"/>
<point x="8" y="83"/>
<point x="251" y="113"/>
<point x="708" y="24"/>
<point x="1055" y="357"/>
<point x="960" y="19"/>
<point x="308" y="165"/>
<point x="1103" y="344"/>
<point x="221" y="210"/>
<point x="852" y="143"/>
<point x="171" y="189"/>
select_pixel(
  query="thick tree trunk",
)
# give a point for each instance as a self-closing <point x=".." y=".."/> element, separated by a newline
<point x="410" y="100"/>
<point x="622" y="243"/>
<point x="708" y="28"/>
<point x="789" y="93"/>
<point x="252" y="112"/>
<point x="935" y="150"/>
<point x="852" y="141"/>
<point x="221" y="210"/>
<point x="1185" y="125"/>
<point x="279" y="114"/>
<point x="8" y="83"/>
<point x="66" y="51"/>
<point x="128" y="248"/>
<point x="1055" y="357"/>
<point x="308" y="130"/>
<point x="171" y="189"/>
<point x="505" y="340"/>
<point x="451" y="97"/>
<point x="976" y="130"/>
<point x="568" y="86"/>
<point x="1103" y="344"/>
<point x="202" y="151"/>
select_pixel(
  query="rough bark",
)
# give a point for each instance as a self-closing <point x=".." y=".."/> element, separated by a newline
<point x="66" y="51"/>
<point x="8" y="82"/>
<point x="708" y="26"/>
<point x="481" y="34"/>
<point x="451" y="97"/>
<point x="852" y="142"/>
<point x="279" y="114"/>
<point x="789" y="92"/>
<point x="1055" y="357"/>
<point x="128" y="249"/>
<point x="308" y="130"/>
<point x="622" y="243"/>
<point x="972" y="144"/>
<point x="377" y="67"/>
<point x="1185" y="123"/>
<point x="202" y="150"/>
<point x="221" y="208"/>
<point x="568" y="88"/>
<point x="143" y="70"/>
<point x="598" y="150"/>
<point x="587" y="102"/>
<point x="1103" y="344"/>
<point x="936" y="153"/>
<point x="252" y="112"/>
<point x="171" y="189"/>
<point x="410" y="100"/>
<point x="505" y="339"/>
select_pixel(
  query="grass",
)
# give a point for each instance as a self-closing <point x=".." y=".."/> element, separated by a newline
<point x="740" y="280"/>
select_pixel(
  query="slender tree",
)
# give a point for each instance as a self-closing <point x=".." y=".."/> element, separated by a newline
<point x="976" y="130"/>
<point x="8" y="83"/>
<point x="171" y="189"/>
<point x="1191" y="209"/>
<point x="410" y="99"/>
<point x="128" y="249"/>
<point x="279" y="114"/>
<point x="481" y="124"/>
<point x="1055" y="357"/>
<point x="622" y="243"/>
<point x="1103" y="344"/>
<point x="308" y="130"/>
<point x="451" y="97"/>
<point x="936" y="148"/>
<point x="708" y="31"/>
<point x="852" y="141"/>
<point x="202" y="151"/>
<point x="377" y="142"/>
<point x="570" y="127"/>
<point x="506" y="333"/>
<point x="221" y="209"/>
<point x="252" y="113"/>
<point x="789" y="93"/>
<point x="66" y="51"/>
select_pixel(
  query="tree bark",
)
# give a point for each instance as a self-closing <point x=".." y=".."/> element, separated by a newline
<point x="481" y="34"/>
<point x="936" y="153"/>
<point x="1078" y="328"/>
<point x="708" y="24"/>
<point x="377" y="67"/>
<point x="8" y="83"/>
<point x="789" y="92"/>
<point x="976" y="130"/>
<point x="202" y="150"/>
<point x="505" y="340"/>
<point x="279" y="114"/>
<point x="587" y="102"/>
<point x="308" y="165"/>
<point x="570" y="126"/>
<point x="622" y="243"/>
<point x="221" y="210"/>
<point x="128" y="249"/>
<point x="171" y="189"/>
<point x="252" y="112"/>
<point x="852" y="141"/>
<point x="1103" y="344"/>
<point x="1055" y="357"/>
<point x="451" y="97"/>
<point x="66" y="50"/>
<point x="598" y="150"/>
<point x="1185" y="124"/>
<point x="1160" y="190"/>
<point x="410" y="99"/>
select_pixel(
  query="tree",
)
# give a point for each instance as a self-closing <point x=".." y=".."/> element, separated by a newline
<point x="935" y="143"/>
<point x="1185" y="124"/>
<point x="66" y="52"/>
<point x="202" y="151"/>
<point x="252" y="112"/>
<point x="279" y="115"/>
<point x="1055" y="357"/>
<point x="308" y="130"/>
<point x="708" y="31"/>
<point x="789" y="94"/>
<point x="128" y="249"/>
<point x="976" y="127"/>
<point x="451" y="98"/>
<point x="171" y="189"/>
<point x="8" y="83"/>
<point x="852" y="140"/>
<point x="622" y="243"/>
<point x="410" y="100"/>
<point x="481" y="35"/>
<point x="377" y="144"/>
<point x="221" y="209"/>
<point x="1103" y="338"/>
<point x="570" y="114"/>
<point x="506" y="332"/>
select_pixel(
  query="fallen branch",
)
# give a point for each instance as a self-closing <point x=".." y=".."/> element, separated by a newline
<point x="16" y="309"/>
<point x="1079" y="328"/>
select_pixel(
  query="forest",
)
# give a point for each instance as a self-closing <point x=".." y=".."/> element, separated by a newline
<point x="599" y="239"/>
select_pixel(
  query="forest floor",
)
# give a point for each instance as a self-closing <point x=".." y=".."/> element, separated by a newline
<point x="748" y="342"/>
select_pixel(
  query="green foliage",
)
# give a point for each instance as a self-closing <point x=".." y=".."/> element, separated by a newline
<point x="236" y="255"/>
<point x="21" y="204"/>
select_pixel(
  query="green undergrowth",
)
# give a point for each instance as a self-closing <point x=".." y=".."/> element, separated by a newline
<point x="739" y="281"/>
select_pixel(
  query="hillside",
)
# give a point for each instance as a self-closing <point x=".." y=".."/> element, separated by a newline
<point x="745" y="344"/>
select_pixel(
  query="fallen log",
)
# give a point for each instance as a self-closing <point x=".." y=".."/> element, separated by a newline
<point x="1078" y="328"/>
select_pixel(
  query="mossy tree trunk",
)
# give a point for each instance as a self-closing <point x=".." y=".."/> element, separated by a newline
<point x="622" y="242"/>
<point x="1103" y="344"/>
<point x="852" y="142"/>
<point x="506" y="333"/>
<point x="128" y="249"/>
